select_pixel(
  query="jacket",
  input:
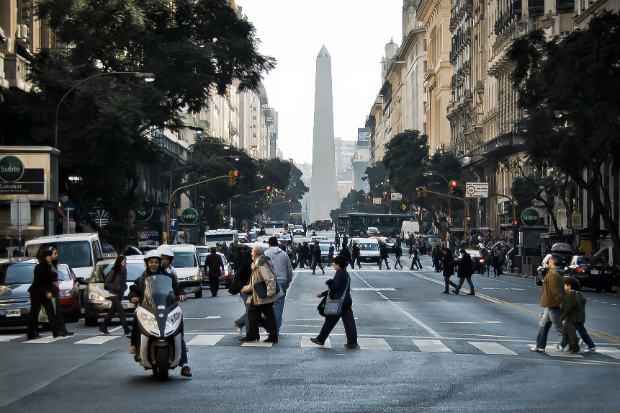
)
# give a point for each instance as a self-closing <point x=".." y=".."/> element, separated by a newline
<point x="573" y="307"/>
<point x="383" y="251"/>
<point x="466" y="267"/>
<point x="551" y="295"/>
<point x="262" y="272"/>
<point x="214" y="265"/>
<point x="355" y="251"/>
<point x="337" y="286"/>
<point x="281" y="266"/>
<point x="43" y="281"/>
<point x="116" y="281"/>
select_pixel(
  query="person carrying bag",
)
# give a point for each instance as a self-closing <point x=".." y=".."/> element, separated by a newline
<point x="337" y="304"/>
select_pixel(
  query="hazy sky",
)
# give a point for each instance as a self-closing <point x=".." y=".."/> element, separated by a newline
<point x="292" y="31"/>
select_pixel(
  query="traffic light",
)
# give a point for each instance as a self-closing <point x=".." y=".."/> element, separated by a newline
<point x="420" y="192"/>
<point x="233" y="174"/>
<point x="453" y="185"/>
<point x="268" y="189"/>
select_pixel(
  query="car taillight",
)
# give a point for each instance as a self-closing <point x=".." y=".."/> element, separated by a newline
<point x="580" y="269"/>
<point x="481" y="260"/>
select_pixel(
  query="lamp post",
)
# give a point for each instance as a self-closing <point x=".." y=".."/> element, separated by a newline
<point x="147" y="77"/>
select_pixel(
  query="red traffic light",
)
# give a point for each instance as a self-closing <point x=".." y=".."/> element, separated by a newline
<point x="268" y="189"/>
<point x="453" y="184"/>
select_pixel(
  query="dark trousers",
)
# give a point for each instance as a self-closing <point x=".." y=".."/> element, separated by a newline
<point x="349" y="326"/>
<point x="301" y="261"/>
<point x="116" y="308"/>
<point x="415" y="263"/>
<point x="448" y="283"/>
<point x="569" y="336"/>
<point x="397" y="262"/>
<point x="214" y="284"/>
<point x="354" y="260"/>
<point x="462" y="281"/>
<point x="583" y="333"/>
<point x="36" y="303"/>
<point x="316" y="262"/>
<point x="254" y="317"/>
<point x="382" y="260"/>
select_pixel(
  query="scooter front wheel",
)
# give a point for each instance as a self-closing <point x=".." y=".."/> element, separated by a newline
<point x="160" y="370"/>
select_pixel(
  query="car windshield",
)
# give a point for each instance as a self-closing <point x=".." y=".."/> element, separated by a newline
<point x="367" y="246"/>
<point x="184" y="260"/>
<point x="76" y="254"/>
<point x="324" y="247"/>
<point x="134" y="270"/>
<point x="202" y="250"/>
<point x="220" y="238"/>
<point x="16" y="273"/>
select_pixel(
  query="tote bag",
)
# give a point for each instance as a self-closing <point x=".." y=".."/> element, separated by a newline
<point x="333" y="307"/>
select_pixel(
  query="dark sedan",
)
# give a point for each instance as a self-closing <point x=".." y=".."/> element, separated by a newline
<point x="591" y="273"/>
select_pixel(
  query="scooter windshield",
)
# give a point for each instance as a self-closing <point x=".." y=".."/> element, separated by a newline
<point x="158" y="292"/>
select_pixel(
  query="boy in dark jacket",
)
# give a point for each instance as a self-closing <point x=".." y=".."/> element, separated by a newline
<point x="579" y="322"/>
<point x="573" y="312"/>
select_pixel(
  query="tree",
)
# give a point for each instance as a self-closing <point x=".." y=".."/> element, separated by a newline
<point x="406" y="158"/>
<point x="569" y="89"/>
<point x="377" y="177"/>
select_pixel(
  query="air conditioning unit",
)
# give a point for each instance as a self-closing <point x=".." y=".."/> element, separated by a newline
<point x="22" y="32"/>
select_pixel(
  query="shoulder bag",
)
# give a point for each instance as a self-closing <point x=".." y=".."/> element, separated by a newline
<point x="333" y="306"/>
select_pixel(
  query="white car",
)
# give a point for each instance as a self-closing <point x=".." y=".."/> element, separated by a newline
<point x="226" y="277"/>
<point x="369" y="249"/>
<point x="187" y="266"/>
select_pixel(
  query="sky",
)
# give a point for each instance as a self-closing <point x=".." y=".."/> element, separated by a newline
<point x="355" y="33"/>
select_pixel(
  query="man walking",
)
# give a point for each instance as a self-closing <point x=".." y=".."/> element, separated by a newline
<point x="214" y="268"/>
<point x="383" y="255"/>
<point x="465" y="271"/>
<point x="316" y="258"/>
<point x="415" y="260"/>
<point x="398" y="252"/>
<point x="284" y="276"/>
<point x="355" y="256"/>
<point x="448" y="270"/>
<point x="551" y="301"/>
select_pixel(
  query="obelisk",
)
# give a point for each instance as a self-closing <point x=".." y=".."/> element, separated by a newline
<point x="323" y="193"/>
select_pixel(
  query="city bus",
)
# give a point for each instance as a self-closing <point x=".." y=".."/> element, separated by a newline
<point x="356" y="224"/>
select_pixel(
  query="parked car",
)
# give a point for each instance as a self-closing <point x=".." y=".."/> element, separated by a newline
<point x="563" y="261"/>
<point x="369" y="249"/>
<point x="225" y="278"/>
<point x="81" y="252"/>
<point x="108" y="251"/>
<point x="94" y="297"/>
<point x="188" y="270"/>
<point x="15" y="279"/>
<point x="591" y="273"/>
<point x="372" y="231"/>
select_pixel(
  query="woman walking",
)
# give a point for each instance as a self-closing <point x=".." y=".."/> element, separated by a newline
<point x="263" y="292"/>
<point x="116" y="283"/>
<point x="338" y="286"/>
<point x="42" y="291"/>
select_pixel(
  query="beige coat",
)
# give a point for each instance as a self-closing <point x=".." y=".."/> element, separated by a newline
<point x="552" y="290"/>
<point x="261" y="271"/>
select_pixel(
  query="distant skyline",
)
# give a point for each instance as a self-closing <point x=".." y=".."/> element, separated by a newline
<point x="293" y="31"/>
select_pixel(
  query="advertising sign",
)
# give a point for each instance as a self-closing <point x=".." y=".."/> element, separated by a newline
<point x="377" y="201"/>
<point x="395" y="196"/>
<point x="530" y="216"/>
<point x="477" y="190"/>
<point x="189" y="216"/>
<point x="16" y="179"/>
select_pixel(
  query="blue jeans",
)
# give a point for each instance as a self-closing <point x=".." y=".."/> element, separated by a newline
<point x="550" y="316"/>
<point x="243" y="320"/>
<point x="583" y="333"/>
<point x="278" y="309"/>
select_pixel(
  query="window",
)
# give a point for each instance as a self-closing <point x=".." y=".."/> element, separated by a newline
<point x="184" y="260"/>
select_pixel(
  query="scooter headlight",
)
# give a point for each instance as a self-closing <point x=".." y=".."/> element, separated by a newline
<point x="173" y="321"/>
<point x="147" y="321"/>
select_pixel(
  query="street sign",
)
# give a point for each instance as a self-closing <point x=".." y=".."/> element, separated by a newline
<point x="189" y="216"/>
<point x="530" y="216"/>
<point x="20" y="212"/>
<point x="395" y="196"/>
<point x="477" y="190"/>
<point x="377" y="201"/>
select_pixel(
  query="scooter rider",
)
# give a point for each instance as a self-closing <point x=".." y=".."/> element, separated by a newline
<point x="154" y="265"/>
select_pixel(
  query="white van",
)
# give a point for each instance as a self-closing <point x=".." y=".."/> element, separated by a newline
<point x="221" y="236"/>
<point x="369" y="249"/>
<point x="409" y="227"/>
<point x="79" y="251"/>
<point x="187" y="266"/>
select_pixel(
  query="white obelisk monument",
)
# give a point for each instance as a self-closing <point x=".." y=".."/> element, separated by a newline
<point x="323" y="193"/>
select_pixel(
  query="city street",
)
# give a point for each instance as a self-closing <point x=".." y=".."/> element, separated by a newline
<point x="420" y="350"/>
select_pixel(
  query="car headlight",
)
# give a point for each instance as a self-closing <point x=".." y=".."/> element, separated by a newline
<point x="173" y="321"/>
<point x="196" y="277"/>
<point x="147" y="321"/>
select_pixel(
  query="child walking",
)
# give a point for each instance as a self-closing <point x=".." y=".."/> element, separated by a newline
<point x="574" y="317"/>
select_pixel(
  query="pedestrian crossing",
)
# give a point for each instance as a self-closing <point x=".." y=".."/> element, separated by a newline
<point x="337" y="341"/>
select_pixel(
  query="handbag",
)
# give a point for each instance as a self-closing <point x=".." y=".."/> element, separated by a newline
<point x="333" y="306"/>
<point x="261" y="289"/>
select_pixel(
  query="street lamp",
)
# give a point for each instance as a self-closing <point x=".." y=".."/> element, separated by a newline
<point x="146" y="77"/>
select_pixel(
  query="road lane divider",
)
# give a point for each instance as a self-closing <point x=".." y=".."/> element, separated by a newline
<point x="431" y="346"/>
<point x="97" y="340"/>
<point x="492" y="348"/>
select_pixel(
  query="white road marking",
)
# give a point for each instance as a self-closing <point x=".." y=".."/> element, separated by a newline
<point x="115" y="329"/>
<point x="306" y="343"/>
<point x="257" y="344"/>
<point x="209" y="317"/>
<point x="431" y="346"/>
<point x="205" y="340"/>
<point x="400" y="309"/>
<point x="492" y="348"/>
<point x="97" y="340"/>
<point x="373" y="289"/>
<point x="45" y="340"/>
<point x="367" y="343"/>
<point x="470" y="322"/>
<point x="5" y="339"/>
<point x="611" y="352"/>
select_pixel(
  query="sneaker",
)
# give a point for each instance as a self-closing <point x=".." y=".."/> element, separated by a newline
<point x="559" y="347"/>
<point x="590" y="350"/>
<point x="317" y="341"/>
<point x="186" y="371"/>
<point x="537" y="349"/>
<point x="447" y="292"/>
<point x="455" y="292"/>
<point x="248" y="340"/>
<point x="354" y="346"/>
<point x="104" y="330"/>
<point x="273" y="340"/>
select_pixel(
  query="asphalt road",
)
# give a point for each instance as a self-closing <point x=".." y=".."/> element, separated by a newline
<point x="421" y="351"/>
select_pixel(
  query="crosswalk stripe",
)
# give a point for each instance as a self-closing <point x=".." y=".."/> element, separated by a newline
<point x="431" y="346"/>
<point x="610" y="352"/>
<point x="5" y="339"/>
<point x="45" y="340"/>
<point x="370" y="343"/>
<point x="97" y="340"/>
<point x="306" y="343"/>
<point x="488" y="347"/>
<point x="205" y="340"/>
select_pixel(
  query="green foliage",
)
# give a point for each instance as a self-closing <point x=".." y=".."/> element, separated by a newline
<point x="405" y="159"/>
<point x="377" y="177"/>
<point x="569" y="89"/>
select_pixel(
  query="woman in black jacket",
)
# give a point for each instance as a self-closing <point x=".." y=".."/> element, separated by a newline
<point x="42" y="291"/>
<point x="116" y="283"/>
<point x="339" y="285"/>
